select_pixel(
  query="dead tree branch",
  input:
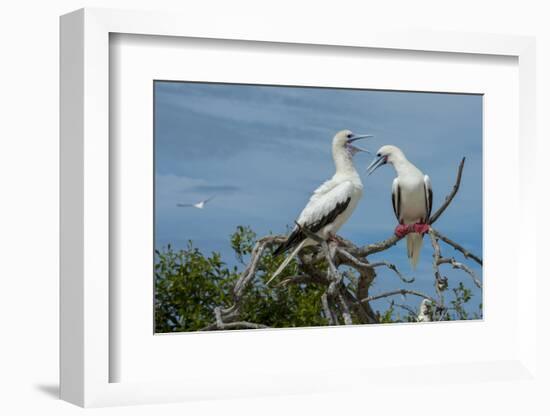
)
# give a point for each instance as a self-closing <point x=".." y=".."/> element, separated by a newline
<point x="467" y="254"/>
<point x="401" y="292"/>
<point x="389" y="265"/>
<point x="457" y="265"/>
<point x="449" y="197"/>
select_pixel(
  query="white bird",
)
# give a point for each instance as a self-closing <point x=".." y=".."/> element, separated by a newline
<point x="331" y="204"/>
<point x="199" y="205"/>
<point x="425" y="312"/>
<point x="411" y="198"/>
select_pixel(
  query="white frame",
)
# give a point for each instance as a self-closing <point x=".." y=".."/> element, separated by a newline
<point x="85" y="182"/>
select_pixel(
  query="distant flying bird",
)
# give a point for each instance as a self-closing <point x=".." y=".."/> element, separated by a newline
<point x="331" y="204"/>
<point x="199" y="205"/>
<point x="411" y="198"/>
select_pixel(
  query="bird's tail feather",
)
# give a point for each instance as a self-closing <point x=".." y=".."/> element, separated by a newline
<point x="414" y="245"/>
<point x="286" y="261"/>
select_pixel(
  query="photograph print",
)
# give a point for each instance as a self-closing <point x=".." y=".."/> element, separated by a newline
<point x="290" y="206"/>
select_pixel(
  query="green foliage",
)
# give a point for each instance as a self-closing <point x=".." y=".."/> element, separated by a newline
<point x="462" y="296"/>
<point x="189" y="285"/>
<point x="242" y="242"/>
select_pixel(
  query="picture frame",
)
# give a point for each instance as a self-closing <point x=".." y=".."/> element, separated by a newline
<point x="86" y="261"/>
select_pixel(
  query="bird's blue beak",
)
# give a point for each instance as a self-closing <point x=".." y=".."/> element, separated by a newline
<point x="376" y="163"/>
<point x="355" y="149"/>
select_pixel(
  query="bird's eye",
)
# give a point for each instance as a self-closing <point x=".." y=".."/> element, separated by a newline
<point x="349" y="136"/>
<point x="379" y="154"/>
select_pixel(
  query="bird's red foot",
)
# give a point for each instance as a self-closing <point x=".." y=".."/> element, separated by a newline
<point x="402" y="230"/>
<point x="421" y="228"/>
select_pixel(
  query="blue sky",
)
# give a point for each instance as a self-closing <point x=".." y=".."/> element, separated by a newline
<point x="262" y="150"/>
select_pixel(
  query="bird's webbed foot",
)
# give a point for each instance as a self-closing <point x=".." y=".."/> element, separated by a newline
<point x="421" y="228"/>
<point x="403" y="229"/>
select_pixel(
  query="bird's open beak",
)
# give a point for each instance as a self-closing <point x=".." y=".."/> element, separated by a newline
<point x="376" y="164"/>
<point x="356" y="149"/>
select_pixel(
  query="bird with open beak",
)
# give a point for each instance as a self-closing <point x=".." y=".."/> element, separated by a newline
<point x="411" y="198"/>
<point x="332" y="203"/>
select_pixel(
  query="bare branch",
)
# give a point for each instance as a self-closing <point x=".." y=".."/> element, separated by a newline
<point x="302" y="279"/>
<point x="345" y="310"/>
<point x="457" y="265"/>
<point x="449" y="197"/>
<point x="400" y="292"/>
<point x="376" y="247"/>
<point x="410" y="310"/>
<point x="467" y="254"/>
<point x="440" y="281"/>
<point x="250" y="271"/>
<point x="331" y="316"/>
<point x="357" y="263"/>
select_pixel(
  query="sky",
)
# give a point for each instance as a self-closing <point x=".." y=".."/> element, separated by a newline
<point x="262" y="150"/>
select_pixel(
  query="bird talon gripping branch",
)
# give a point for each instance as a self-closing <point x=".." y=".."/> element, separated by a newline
<point x="402" y="230"/>
<point x="421" y="228"/>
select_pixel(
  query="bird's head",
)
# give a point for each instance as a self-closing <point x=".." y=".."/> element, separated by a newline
<point x="386" y="154"/>
<point x="343" y="141"/>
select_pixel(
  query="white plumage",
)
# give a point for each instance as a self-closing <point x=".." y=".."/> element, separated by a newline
<point x="198" y="205"/>
<point x="411" y="198"/>
<point x="332" y="203"/>
<point x="424" y="313"/>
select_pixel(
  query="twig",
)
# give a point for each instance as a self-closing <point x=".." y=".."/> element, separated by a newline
<point x="303" y="278"/>
<point x="457" y="265"/>
<point x="356" y="262"/>
<point x="449" y="197"/>
<point x="411" y="311"/>
<point x="376" y="247"/>
<point x="399" y="292"/>
<point x="440" y="282"/>
<point x="458" y="247"/>
<point x="250" y="271"/>
<point x="363" y="311"/>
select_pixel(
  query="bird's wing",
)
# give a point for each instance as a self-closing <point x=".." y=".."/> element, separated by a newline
<point x="396" y="199"/>
<point x="325" y="188"/>
<point x="185" y="205"/>
<point x="321" y="210"/>
<point x="209" y="199"/>
<point x="429" y="197"/>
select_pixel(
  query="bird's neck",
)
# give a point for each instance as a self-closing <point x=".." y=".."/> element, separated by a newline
<point x="344" y="163"/>
<point x="403" y="167"/>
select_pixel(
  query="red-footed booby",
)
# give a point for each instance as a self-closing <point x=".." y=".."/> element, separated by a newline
<point x="411" y="198"/>
<point x="331" y="204"/>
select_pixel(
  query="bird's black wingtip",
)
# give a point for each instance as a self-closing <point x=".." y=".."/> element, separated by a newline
<point x="279" y="250"/>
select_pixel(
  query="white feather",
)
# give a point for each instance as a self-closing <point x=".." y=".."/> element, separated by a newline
<point x="286" y="261"/>
<point x="325" y="199"/>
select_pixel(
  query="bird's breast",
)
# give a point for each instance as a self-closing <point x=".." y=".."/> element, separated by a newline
<point x="413" y="201"/>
